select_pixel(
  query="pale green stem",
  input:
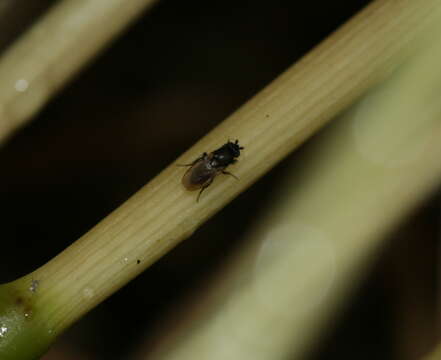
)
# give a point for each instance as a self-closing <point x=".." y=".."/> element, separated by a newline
<point x="69" y="35"/>
<point x="325" y="225"/>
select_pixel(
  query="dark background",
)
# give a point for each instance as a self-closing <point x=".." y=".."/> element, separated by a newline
<point x="163" y="84"/>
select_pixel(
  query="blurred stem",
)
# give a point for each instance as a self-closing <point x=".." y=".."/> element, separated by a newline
<point x="435" y="355"/>
<point x="324" y="226"/>
<point x="270" y="126"/>
<point x="69" y="35"/>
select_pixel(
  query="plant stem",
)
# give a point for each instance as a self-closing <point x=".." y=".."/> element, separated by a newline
<point x="68" y="36"/>
<point x="324" y="227"/>
<point x="270" y="126"/>
<point x="434" y="355"/>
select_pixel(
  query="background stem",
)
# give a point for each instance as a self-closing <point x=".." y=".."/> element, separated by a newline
<point x="68" y="36"/>
<point x="324" y="227"/>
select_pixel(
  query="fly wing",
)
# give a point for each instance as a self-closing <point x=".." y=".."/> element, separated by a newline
<point x="201" y="174"/>
<point x="197" y="175"/>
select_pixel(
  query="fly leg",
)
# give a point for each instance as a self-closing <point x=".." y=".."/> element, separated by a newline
<point x="228" y="173"/>
<point x="207" y="184"/>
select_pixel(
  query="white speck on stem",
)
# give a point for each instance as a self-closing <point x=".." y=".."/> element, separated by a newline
<point x="34" y="285"/>
<point x="88" y="293"/>
<point x="3" y="331"/>
<point x="21" y="85"/>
